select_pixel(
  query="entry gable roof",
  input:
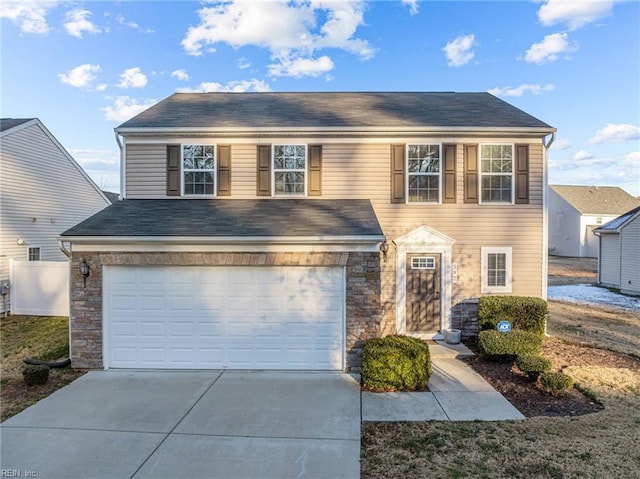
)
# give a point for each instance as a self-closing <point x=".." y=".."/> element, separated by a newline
<point x="231" y="218"/>
<point x="334" y="110"/>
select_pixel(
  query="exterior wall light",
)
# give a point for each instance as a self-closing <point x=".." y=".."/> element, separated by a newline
<point x="384" y="248"/>
<point x="85" y="271"/>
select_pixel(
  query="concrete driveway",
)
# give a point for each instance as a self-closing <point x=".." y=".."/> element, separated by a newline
<point x="209" y="424"/>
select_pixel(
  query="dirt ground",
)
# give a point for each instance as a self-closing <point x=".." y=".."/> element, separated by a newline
<point x="603" y="327"/>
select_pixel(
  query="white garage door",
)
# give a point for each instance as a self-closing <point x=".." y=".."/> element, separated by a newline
<point x="183" y="317"/>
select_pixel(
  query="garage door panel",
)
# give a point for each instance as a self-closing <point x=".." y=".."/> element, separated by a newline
<point x="225" y="317"/>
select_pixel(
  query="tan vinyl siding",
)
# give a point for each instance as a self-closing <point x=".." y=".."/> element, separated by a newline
<point x="42" y="194"/>
<point x="146" y="170"/>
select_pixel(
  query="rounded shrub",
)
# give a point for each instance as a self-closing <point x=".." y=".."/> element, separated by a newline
<point x="523" y="312"/>
<point x="35" y="374"/>
<point x="395" y="363"/>
<point x="505" y="347"/>
<point x="533" y="365"/>
<point x="555" y="383"/>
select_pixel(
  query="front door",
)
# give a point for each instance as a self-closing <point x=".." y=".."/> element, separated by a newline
<point x="423" y="293"/>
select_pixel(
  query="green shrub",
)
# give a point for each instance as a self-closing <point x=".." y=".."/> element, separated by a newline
<point x="505" y="347"/>
<point x="532" y="366"/>
<point x="555" y="383"/>
<point x="523" y="312"/>
<point x="35" y="375"/>
<point x="395" y="363"/>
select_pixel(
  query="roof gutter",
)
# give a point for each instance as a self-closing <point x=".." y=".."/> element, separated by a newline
<point x="407" y="129"/>
<point x="280" y="240"/>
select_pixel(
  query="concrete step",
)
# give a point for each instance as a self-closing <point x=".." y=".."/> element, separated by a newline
<point x="442" y="349"/>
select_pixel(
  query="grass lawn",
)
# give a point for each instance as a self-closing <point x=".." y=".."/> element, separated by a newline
<point x="40" y="337"/>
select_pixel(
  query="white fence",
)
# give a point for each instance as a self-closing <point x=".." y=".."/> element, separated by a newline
<point x="39" y="288"/>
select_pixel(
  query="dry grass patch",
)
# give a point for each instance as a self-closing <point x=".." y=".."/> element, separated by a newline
<point x="603" y="444"/>
<point x="45" y="338"/>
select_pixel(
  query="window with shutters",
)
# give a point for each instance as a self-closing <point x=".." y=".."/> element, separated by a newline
<point x="423" y="173"/>
<point x="289" y="170"/>
<point x="496" y="269"/>
<point x="199" y="169"/>
<point x="496" y="173"/>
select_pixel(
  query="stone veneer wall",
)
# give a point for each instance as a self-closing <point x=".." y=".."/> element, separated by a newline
<point x="362" y="293"/>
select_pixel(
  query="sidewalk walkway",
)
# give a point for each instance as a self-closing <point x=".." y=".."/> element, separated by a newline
<point x="456" y="393"/>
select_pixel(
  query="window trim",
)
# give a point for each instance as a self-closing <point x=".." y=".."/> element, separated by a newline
<point x="29" y="248"/>
<point x="485" y="251"/>
<point x="273" y="171"/>
<point x="408" y="173"/>
<point x="214" y="171"/>
<point x="481" y="174"/>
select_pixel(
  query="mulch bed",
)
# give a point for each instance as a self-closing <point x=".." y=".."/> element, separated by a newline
<point x="531" y="401"/>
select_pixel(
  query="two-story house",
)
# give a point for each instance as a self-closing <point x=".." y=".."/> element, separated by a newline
<point x="279" y="230"/>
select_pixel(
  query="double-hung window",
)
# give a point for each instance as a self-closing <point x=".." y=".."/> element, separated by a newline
<point x="33" y="253"/>
<point x="423" y="171"/>
<point x="496" y="270"/>
<point x="199" y="169"/>
<point x="496" y="173"/>
<point x="289" y="170"/>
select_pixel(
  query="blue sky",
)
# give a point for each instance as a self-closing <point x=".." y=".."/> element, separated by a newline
<point x="85" y="67"/>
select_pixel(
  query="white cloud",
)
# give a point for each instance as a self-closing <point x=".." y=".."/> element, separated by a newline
<point x="180" y="74"/>
<point x="549" y="49"/>
<point x="29" y="15"/>
<point x="125" y="107"/>
<point x="81" y="76"/>
<point x="243" y="63"/>
<point x="289" y="30"/>
<point x="301" y="67"/>
<point x="615" y="133"/>
<point x="561" y="144"/>
<point x="132" y="78"/>
<point x="521" y="90"/>
<point x="574" y="13"/>
<point x="413" y="6"/>
<point x="582" y="155"/>
<point x="239" y="86"/>
<point x="77" y="23"/>
<point x="128" y="23"/>
<point x="459" y="51"/>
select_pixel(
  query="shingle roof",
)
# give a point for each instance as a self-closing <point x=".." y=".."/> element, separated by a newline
<point x="614" y="226"/>
<point x="597" y="200"/>
<point x="8" y="123"/>
<point x="329" y="109"/>
<point x="230" y="217"/>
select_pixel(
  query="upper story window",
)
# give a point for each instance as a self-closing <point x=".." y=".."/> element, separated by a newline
<point x="289" y="169"/>
<point x="496" y="173"/>
<point x="423" y="171"/>
<point x="199" y="169"/>
<point x="34" y="253"/>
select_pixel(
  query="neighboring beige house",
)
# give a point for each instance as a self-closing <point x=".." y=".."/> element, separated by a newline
<point x="280" y="230"/>
<point x="619" y="260"/>
<point x="43" y="192"/>
<point x="576" y="211"/>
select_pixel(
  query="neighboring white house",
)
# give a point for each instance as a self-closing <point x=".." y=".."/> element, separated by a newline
<point x="619" y="263"/>
<point x="576" y="211"/>
<point x="43" y="192"/>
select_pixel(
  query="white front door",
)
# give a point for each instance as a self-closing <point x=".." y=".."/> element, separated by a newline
<point x="237" y="317"/>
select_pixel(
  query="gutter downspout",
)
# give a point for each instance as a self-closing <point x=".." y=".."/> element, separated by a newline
<point x="545" y="218"/>
<point x="121" y="147"/>
<point x="62" y="247"/>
